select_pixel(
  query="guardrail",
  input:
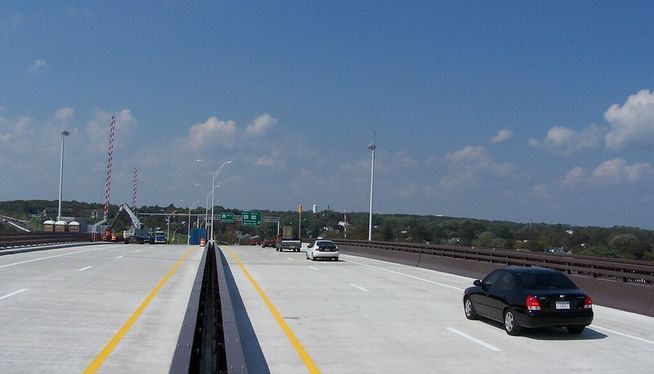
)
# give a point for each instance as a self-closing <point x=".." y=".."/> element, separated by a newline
<point x="623" y="284"/>
<point x="39" y="238"/>
<point x="209" y="341"/>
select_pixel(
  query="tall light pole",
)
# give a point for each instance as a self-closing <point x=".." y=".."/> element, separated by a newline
<point x="188" y="231"/>
<point x="64" y="134"/>
<point x="206" y="211"/>
<point x="372" y="148"/>
<point x="213" y="188"/>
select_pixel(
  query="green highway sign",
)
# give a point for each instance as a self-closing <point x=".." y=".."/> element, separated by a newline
<point x="252" y="218"/>
<point x="226" y="217"/>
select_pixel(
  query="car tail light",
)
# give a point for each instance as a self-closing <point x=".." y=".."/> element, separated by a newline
<point x="588" y="303"/>
<point x="532" y="303"/>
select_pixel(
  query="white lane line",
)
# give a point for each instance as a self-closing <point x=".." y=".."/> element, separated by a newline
<point x="48" y="257"/>
<point x="407" y="275"/>
<point x="85" y="268"/>
<point x="12" y="294"/>
<point x="289" y="258"/>
<point x="138" y="250"/>
<point x="314" y="268"/>
<point x="359" y="287"/>
<point x="121" y="256"/>
<point x="622" y="334"/>
<point x="483" y="344"/>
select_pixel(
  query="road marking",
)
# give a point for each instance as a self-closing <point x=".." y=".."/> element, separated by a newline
<point x="314" y="268"/>
<point x="12" y="294"/>
<point x="623" y="334"/>
<point x="85" y="268"/>
<point x="359" y="287"/>
<point x="121" y="256"/>
<point x="48" y="257"/>
<point x="289" y="258"/>
<point x="308" y="362"/>
<point x="407" y="275"/>
<point x="115" y="340"/>
<point x="138" y="250"/>
<point x="483" y="344"/>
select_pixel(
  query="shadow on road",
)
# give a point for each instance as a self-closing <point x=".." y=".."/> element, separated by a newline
<point x="552" y="333"/>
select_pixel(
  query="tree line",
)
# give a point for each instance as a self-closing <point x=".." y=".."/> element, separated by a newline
<point x="616" y="242"/>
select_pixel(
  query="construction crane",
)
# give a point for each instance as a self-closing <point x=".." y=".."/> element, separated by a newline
<point x="135" y="234"/>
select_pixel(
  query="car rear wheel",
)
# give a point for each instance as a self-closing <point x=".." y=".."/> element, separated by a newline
<point x="575" y="330"/>
<point x="511" y="323"/>
<point x="469" y="309"/>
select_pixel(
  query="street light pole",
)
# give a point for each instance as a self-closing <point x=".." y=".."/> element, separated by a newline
<point x="213" y="188"/>
<point x="372" y="148"/>
<point x="64" y="134"/>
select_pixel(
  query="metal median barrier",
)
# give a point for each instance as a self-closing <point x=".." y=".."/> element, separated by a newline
<point x="621" y="284"/>
<point x="41" y="238"/>
<point x="209" y="340"/>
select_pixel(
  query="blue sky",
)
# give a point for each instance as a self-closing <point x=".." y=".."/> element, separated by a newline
<point x="510" y="110"/>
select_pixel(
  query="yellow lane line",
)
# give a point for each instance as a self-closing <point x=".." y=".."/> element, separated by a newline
<point x="115" y="340"/>
<point x="308" y="362"/>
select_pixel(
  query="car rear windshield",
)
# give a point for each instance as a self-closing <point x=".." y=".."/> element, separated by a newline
<point x="326" y="245"/>
<point x="533" y="280"/>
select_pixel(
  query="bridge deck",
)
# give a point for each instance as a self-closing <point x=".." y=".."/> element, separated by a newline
<point x="362" y="315"/>
<point x="60" y="307"/>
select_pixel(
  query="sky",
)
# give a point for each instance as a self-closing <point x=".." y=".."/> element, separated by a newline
<point x="507" y="110"/>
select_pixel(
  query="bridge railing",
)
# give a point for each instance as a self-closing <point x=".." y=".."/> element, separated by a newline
<point x="624" y="284"/>
<point x="40" y="238"/>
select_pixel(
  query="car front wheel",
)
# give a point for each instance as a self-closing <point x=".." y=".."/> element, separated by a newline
<point x="469" y="309"/>
<point x="511" y="323"/>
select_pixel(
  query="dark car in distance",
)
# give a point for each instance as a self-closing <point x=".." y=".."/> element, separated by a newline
<point x="269" y="242"/>
<point x="529" y="297"/>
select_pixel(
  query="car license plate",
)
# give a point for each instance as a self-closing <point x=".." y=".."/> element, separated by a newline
<point x="561" y="305"/>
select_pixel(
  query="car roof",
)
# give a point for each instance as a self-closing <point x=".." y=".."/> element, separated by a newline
<point x="529" y="269"/>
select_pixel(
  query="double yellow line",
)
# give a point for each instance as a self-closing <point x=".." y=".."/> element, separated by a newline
<point x="308" y="362"/>
<point x="104" y="354"/>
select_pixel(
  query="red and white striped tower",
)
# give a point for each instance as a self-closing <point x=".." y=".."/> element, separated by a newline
<point x="107" y="182"/>
<point x="134" y="184"/>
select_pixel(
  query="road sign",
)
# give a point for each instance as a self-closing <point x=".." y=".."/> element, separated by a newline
<point x="226" y="217"/>
<point x="251" y="218"/>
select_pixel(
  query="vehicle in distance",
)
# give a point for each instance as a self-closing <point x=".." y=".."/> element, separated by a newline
<point x="288" y="241"/>
<point x="529" y="297"/>
<point x="159" y="237"/>
<point x="322" y="249"/>
<point x="255" y="240"/>
<point x="268" y="242"/>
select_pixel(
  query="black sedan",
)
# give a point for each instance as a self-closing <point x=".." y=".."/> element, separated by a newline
<point x="529" y="297"/>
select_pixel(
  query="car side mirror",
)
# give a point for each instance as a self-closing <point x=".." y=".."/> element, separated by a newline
<point x="477" y="283"/>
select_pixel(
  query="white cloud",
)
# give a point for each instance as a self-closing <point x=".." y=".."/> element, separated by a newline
<point x="261" y="125"/>
<point x="469" y="153"/>
<point x="12" y="129"/>
<point x="502" y="136"/>
<point x="38" y="65"/>
<point x="209" y="132"/>
<point x="471" y="164"/>
<point x="64" y="114"/>
<point x="563" y="140"/>
<point x="618" y="171"/>
<point x="575" y="176"/>
<point x="633" y="122"/>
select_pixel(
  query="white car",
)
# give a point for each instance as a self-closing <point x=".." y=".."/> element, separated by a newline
<point x="323" y="249"/>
